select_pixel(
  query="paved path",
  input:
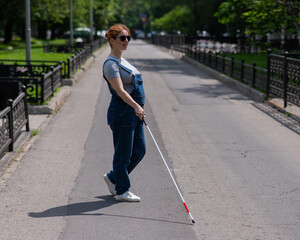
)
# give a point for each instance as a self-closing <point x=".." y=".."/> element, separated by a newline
<point x="237" y="164"/>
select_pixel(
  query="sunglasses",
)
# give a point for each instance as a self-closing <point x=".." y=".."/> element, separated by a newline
<point x="123" y="38"/>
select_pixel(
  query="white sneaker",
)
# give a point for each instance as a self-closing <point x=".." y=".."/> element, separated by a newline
<point x="110" y="185"/>
<point x="127" y="197"/>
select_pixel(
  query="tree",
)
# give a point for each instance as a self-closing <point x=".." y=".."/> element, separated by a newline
<point x="178" y="19"/>
<point x="199" y="17"/>
<point x="262" y="17"/>
<point x="12" y="18"/>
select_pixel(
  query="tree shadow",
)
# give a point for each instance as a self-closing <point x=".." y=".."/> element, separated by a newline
<point x="217" y="90"/>
<point x="279" y="115"/>
<point x="166" y="65"/>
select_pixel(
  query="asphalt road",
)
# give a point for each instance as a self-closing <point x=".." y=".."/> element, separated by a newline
<point x="236" y="162"/>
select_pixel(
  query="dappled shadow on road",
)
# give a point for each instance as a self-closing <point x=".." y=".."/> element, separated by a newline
<point x="279" y="116"/>
<point x="167" y="66"/>
<point x="83" y="209"/>
<point x="217" y="90"/>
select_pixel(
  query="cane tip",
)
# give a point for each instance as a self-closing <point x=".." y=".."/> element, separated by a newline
<point x="193" y="221"/>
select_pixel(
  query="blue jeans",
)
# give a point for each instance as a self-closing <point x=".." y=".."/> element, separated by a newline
<point x="129" y="149"/>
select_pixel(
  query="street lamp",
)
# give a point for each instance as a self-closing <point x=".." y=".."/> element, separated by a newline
<point x="91" y="21"/>
<point x="71" y="23"/>
<point x="28" y="32"/>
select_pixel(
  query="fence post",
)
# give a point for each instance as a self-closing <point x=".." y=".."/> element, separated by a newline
<point x="254" y="74"/>
<point x="42" y="87"/>
<point x="268" y="72"/>
<point x="61" y="71"/>
<point x="285" y="79"/>
<point x="69" y="67"/>
<point x="52" y="80"/>
<point x="26" y="108"/>
<point x="242" y="70"/>
<point x="223" y="63"/>
<point x="232" y="66"/>
<point x="198" y="52"/>
<point x="11" y="125"/>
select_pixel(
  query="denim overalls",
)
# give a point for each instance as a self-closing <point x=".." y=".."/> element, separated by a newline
<point x="128" y="133"/>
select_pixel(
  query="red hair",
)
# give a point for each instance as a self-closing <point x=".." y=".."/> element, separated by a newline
<point x="114" y="30"/>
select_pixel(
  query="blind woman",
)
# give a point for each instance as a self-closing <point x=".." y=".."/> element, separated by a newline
<point x="125" y="114"/>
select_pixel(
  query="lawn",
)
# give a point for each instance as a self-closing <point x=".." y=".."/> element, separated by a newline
<point x="16" y="50"/>
<point x="259" y="58"/>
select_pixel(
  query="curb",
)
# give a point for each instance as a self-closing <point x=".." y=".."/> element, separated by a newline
<point x="291" y="110"/>
<point x="54" y="105"/>
<point x="22" y="145"/>
<point x="243" y="88"/>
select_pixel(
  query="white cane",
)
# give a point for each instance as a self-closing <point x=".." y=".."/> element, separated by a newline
<point x="190" y="215"/>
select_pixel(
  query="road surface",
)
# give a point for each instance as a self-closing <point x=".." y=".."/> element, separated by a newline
<point x="237" y="165"/>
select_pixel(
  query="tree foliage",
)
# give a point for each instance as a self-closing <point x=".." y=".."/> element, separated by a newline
<point x="261" y="17"/>
<point x="177" y="19"/>
<point x="187" y="16"/>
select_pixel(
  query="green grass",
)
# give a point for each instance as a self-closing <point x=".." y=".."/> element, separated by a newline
<point x="34" y="133"/>
<point x="36" y="54"/>
<point x="17" y="51"/>
<point x="259" y="58"/>
<point x="19" y="43"/>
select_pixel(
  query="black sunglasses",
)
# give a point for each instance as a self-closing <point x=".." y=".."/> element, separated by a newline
<point x="123" y="38"/>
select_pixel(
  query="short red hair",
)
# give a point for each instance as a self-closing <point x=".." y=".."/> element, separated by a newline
<point x="114" y="30"/>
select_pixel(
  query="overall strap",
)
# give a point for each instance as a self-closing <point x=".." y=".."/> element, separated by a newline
<point x="120" y="65"/>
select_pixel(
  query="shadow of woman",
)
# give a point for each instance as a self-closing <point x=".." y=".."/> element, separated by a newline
<point x="76" y="208"/>
<point x="83" y="209"/>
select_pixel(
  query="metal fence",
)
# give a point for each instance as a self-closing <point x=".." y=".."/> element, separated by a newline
<point x="284" y="77"/>
<point x="61" y="48"/>
<point x="77" y="60"/>
<point x="81" y="53"/>
<point x="12" y="119"/>
<point x="280" y="79"/>
<point x="41" y="81"/>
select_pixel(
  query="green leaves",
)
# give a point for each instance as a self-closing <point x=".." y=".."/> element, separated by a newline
<point x="261" y="17"/>
<point x="177" y="19"/>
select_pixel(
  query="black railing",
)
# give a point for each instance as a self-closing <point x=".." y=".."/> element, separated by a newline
<point x="284" y="77"/>
<point x="81" y="53"/>
<point x="61" y="48"/>
<point x="281" y="78"/>
<point x="40" y="86"/>
<point x="12" y="119"/>
<point x="5" y="136"/>
<point x="250" y="74"/>
<point x="77" y="60"/>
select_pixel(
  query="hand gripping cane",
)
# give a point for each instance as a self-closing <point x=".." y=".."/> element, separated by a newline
<point x="190" y="215"/>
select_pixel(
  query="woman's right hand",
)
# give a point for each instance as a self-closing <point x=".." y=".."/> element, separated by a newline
<point x="139" y="111"/>
<point x="117" y="85"/>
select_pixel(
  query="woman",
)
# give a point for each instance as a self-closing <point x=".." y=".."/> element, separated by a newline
<point x="125" y="114"/>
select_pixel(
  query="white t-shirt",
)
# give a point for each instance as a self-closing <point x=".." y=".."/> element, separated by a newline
<point x="112" y="70"/>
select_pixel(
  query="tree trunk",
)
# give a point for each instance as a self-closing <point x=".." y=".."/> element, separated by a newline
<point x="42" y="29"/>
<point x="8" y="31"/>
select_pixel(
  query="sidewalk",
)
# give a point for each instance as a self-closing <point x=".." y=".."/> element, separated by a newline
<point x="39" y="116"/>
